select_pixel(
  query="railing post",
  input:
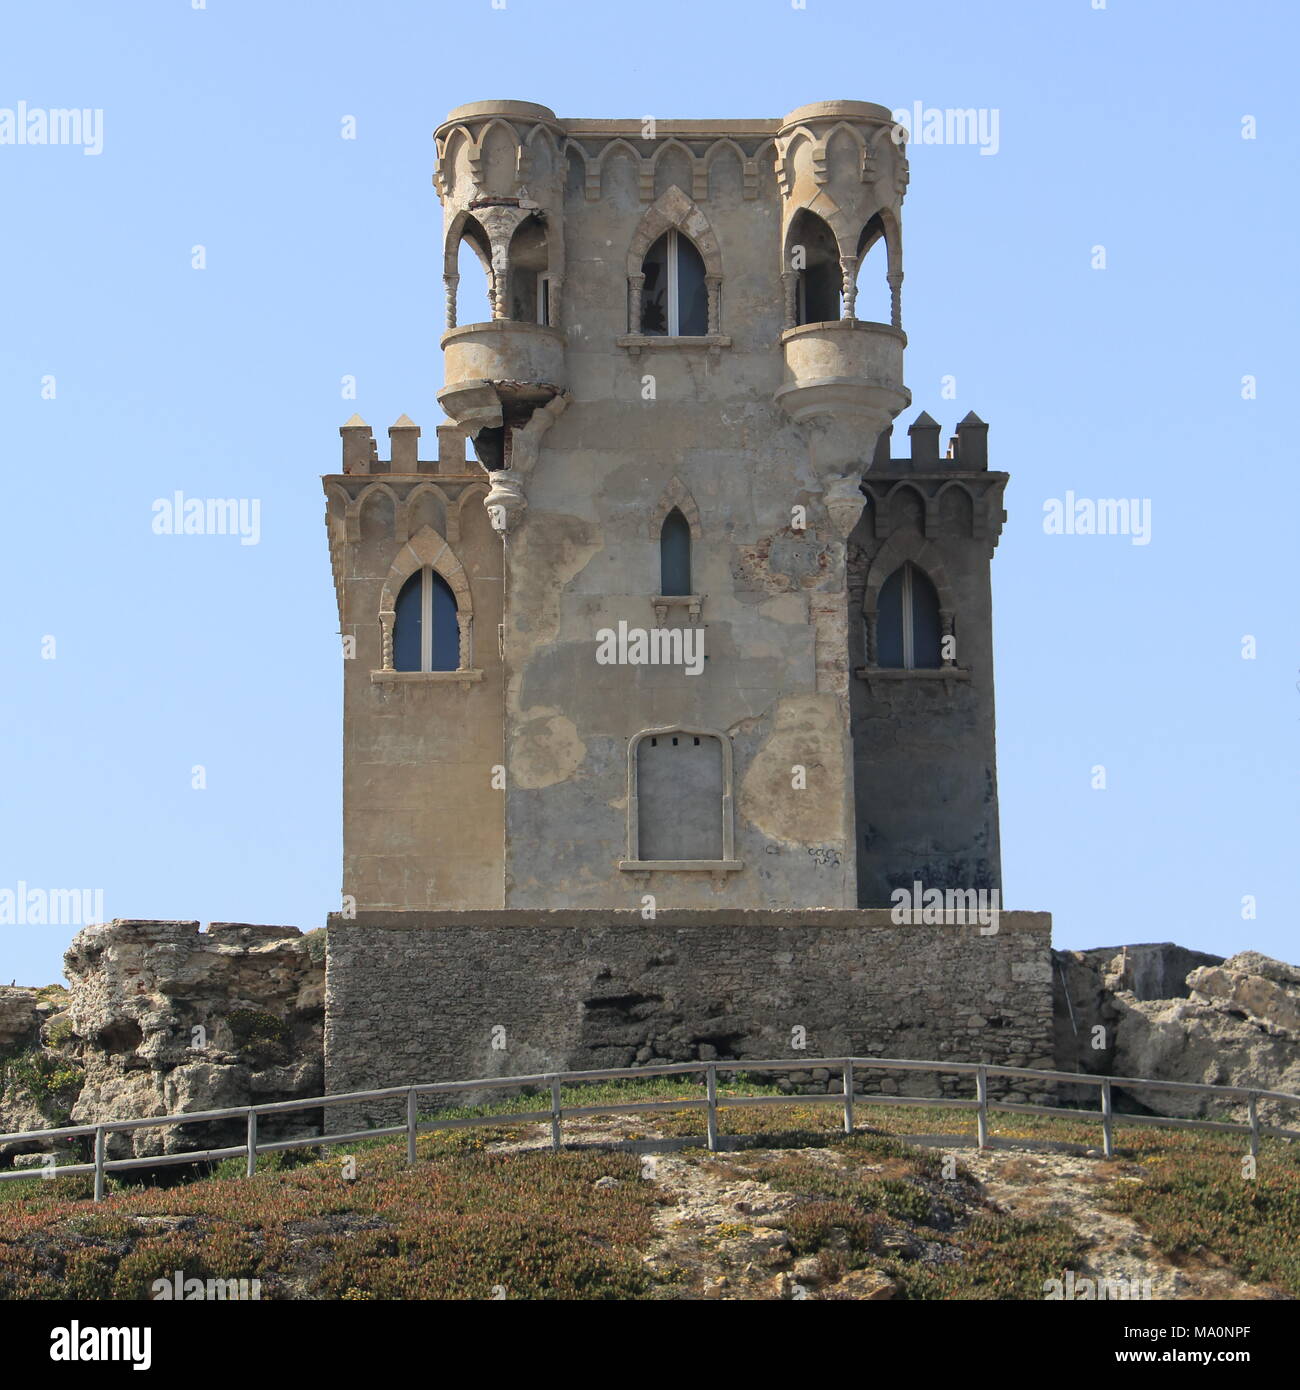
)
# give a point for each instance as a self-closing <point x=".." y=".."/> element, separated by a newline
<point x="99" y="1163"/>
<point x="250" y="1167"/>
<point x="1252" y="1105"/>
<point x="711" y="1091"/>
<point x="412" y="1104"/>
<point x="1107" y="1128"/>
<point x="555" y="1113"/>
<point x="982" y="1114"/>
<point x="848" y="1097"/>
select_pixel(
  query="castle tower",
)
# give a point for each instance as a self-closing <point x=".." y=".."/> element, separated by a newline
<point x="671" y="635"/>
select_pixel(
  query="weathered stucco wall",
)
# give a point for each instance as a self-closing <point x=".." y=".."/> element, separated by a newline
<point x="423" y="824"/>
<point x="421" y="996"/>
<point x="510" y="783"/>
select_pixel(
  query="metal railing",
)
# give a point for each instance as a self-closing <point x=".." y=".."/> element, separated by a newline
<point x="711" y="1102"/>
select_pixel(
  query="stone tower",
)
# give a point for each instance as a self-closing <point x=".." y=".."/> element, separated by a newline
<point x="682" y="628"/>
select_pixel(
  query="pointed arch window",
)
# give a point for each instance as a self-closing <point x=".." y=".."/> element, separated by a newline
<point x="426" y="634"/>
<point x="674" y="297"/>
<point x="908" y="626"/>
<point x="675" y="556"/>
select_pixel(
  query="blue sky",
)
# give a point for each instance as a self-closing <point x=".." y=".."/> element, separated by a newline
<point x="1119" y="127"/>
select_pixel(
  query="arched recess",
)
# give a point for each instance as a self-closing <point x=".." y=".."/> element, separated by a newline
<point x="471" y="497"/>
<point x="674" y="166"/>
<point x="375" y="512"/>
<point x="500" y="148"/>
<point x="675" y="214"/>
<point x="528" y="281"/>
<point x="539" y="156"/>
<point x="611" y="172"/>
<point x="427" y="548"/>
<point x="679" y="803"/>
<point x="955" y="507"/>
<point x="843" y="150"/>
<point x="727" y="179"/>
<point x="415" y="513"/>
<point x="811" y="270"/>
<point x="905" y="505"/>
<point x="456" y="153"/>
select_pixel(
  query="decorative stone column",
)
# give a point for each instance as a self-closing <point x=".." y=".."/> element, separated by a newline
<point x="713" y="283"/>
<point x="895" y="279"/>
<point x="849" y="282"/>
<point x="451" y="282"/>
<point x="463" y="620"/>
<point x="635" y="284"/>
<point x="386" y="619"/>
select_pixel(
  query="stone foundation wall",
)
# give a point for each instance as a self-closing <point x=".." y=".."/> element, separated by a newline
<point x="453" y="996"/>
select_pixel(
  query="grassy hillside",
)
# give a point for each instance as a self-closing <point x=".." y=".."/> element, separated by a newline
<point x="797" y="1209"/>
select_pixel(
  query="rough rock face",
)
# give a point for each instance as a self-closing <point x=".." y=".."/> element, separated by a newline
<point x="22" y="1011"/>
<point x="165" y="1018"/>
<point x="32" y="1096"/>
<point x="1232" y="1022"/>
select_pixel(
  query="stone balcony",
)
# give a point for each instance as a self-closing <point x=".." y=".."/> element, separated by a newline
<point x="846" y="365"/>
<point x="502" y="366"/>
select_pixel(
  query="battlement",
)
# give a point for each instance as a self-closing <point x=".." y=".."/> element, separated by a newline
<point x="968" y="448"/>
<point x="361" y="452"/>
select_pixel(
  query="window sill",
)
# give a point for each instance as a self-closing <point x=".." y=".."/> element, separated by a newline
<point x="428" y="677"/>
<point x="708" y="866"/>
<point x="634" y="342"/>
<point x="946" y="674"/>
<point x="663" y="604"/>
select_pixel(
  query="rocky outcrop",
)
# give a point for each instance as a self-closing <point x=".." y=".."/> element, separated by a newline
<point x="162" y="1018"/>
<point x="1232" y="1022"/>
<point x="37" y="1081"/>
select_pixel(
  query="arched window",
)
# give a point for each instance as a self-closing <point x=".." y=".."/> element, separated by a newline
<point x="675" y="555"/>
<point x="908" y="629"/>
<point x="674" y="298"/>
<point x="426" y="635"/>
<point x="815" y="259"/>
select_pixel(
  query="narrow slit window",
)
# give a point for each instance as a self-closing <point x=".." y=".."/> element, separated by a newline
<point x="675" y="555"/>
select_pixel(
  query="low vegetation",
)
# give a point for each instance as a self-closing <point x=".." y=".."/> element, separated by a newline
<point x="486" y="1214"/>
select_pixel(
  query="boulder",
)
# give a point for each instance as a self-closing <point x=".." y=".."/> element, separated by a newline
<point x="1233" y="1022"/>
